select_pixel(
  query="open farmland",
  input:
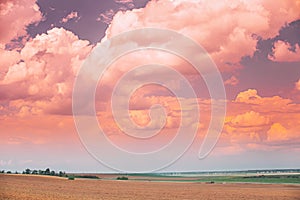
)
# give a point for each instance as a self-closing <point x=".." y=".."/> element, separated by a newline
<point x="28" y="187"/>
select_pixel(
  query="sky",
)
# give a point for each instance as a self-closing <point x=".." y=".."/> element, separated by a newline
<point x="255" y="46"/>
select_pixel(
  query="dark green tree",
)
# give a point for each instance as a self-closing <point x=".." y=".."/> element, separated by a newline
<point x="61" y="174"/>
<point x="47" y="171"/>
<point x="27" y="171"/>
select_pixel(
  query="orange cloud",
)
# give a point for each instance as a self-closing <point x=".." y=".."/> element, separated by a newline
<point x="249" y="96"/>
<point x="249" y="119"/>
<point x="256" y="122"/>
<point x="265" y="104"/>
<point x="37" y="129"/>
<point x="277" y="133"/>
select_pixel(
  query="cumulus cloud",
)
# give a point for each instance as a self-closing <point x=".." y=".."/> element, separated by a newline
<point x="249" y="96"/>
<point x="15" y="16"/>
<point x="227" y="34"/>
<point x="7" y="58"/>
<point x="39" y="78"/>
<point x="204" y="22"/>
<point x="256" y="122"/>
<point x="284" y="52"/>
<point x="245" y="128"/>
<point x="72" y="15"/>
<point x="276" y="103"/>
<point x="45" y="72"/>
<point x="279" y="13"/>
<point x="249" y="119"/>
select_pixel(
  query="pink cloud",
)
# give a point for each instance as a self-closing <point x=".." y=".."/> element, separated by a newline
<point x="7" y="58"/>
<point x="107" y="16"/>
<point x="15" y="16"/>
<point x="297" y="85"/>
<point x="38" y="80"/>
<point x="283" y="52"/>
<point x="71" y="15"/>
<point x="220" y="27"/>
<point x="279" y="13"/>
<point x="16" y="73"/>
<point x="123" y="5"/>
<point x="45" y="73"/>
<point x="231" y="81"/>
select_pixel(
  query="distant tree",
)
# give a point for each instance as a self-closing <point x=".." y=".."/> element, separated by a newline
<point x="47" y="171"/>
<point x="52" y="173"/>
<point x="61" y="173"/>
<point x="16" y="172"/>
<point x="27" y="171"/>
<point x="34" y="171"/>
<point x="8" y="172"/>
<point x="2" y="171"/>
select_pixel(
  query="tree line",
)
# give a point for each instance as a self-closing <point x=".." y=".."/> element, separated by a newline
<point x="47" y="172"/>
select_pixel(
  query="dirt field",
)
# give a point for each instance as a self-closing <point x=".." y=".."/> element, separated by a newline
<point x="41" y="187"/>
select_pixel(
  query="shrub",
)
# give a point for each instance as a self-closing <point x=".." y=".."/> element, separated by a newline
<point x="87" y="176"/>
<point x="71" y="178"/>
<point x="122" y="178"/>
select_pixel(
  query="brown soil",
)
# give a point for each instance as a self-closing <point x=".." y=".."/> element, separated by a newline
<point x="27" y="187"/>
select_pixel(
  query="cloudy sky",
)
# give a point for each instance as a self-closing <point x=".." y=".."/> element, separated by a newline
<point x="254" y="44"/>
